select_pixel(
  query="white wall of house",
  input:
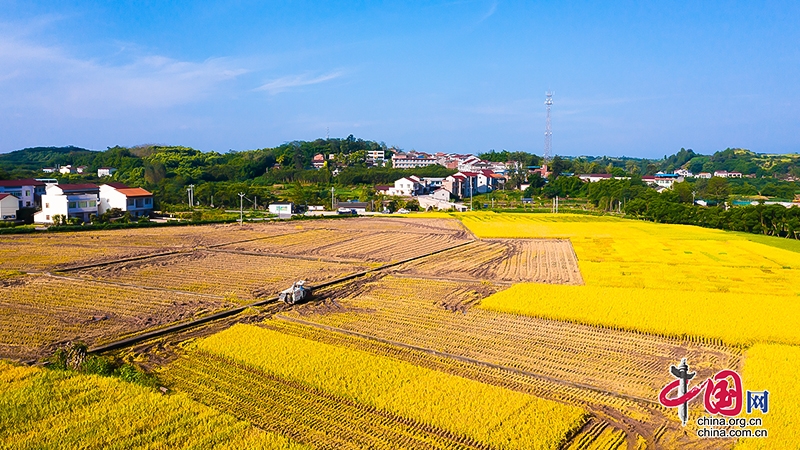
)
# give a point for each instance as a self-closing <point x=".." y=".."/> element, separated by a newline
<point x="404" y="187"/>
<point x="79" y="205"/>
<point x="441" y="194"/>
<point x="137" y="206"/>
<point x="9" y="205"/>
<point x="280" y="209"/>
<point x="105" y="171"/>
<point x="111" y="198"/>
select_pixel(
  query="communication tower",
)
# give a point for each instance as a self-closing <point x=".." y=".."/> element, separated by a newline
<point x="548" y="131"/>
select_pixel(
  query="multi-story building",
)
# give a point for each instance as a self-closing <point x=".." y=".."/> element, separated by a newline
<point x="376" y="154"/>
<point x="412" y="161"/>
<point x="28" y="192"/>
<point x="69" y="200"/>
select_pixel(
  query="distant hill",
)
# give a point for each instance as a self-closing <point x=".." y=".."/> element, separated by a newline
<point x="35" y="158"/>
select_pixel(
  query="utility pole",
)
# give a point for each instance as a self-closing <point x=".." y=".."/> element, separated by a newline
<point x="470" y="194"/>
<point x="241" y="208"/>
<point x="333" y="191"/>
<point x="190" y="191"/>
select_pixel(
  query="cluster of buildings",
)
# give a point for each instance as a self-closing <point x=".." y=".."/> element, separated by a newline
<point x="69" y="169"/>
<point x="442" y="193"/>
<point x="707" y="175"/>
<point x="72" y="201"/>
<point x="660" y="181"/>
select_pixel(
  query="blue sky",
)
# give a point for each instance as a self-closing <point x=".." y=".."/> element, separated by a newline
<point x="630" y="78"/>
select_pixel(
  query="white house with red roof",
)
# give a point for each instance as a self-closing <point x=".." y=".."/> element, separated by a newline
<point x="461" y="184"/>
<point x="406" y="186"/>
<point x="69" y="200"/>
<point x="9" y="205"/>
<point x="318" y="161"/>
<point x="136" y="201"/>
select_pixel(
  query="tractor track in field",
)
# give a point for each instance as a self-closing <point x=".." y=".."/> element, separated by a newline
<point x="139" y="338"/>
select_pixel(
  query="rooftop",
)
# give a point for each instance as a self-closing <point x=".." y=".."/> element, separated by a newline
<point x="20" y="183"/>
<point x="135" y="192"/>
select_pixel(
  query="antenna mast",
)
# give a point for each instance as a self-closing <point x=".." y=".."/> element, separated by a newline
<point x="548" y="131"/>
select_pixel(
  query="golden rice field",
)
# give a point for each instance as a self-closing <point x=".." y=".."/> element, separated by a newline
<point x="674" y="280"/>
<point x="536" y="332"/>
<point x="774" y="368"/>
<point x="638" y="275"/>
<point x="432" y="315"/>
<point x="53" y="409"/>
<point x="495" y="416"/>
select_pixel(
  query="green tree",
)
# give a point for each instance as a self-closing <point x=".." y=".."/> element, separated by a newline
<point x="717" y="189"/>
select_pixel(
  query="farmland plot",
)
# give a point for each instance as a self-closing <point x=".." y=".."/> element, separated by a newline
<point x="239" y="276"/>
<point x="417" y="399"/>
<point x="57" y="409"/>
<point x="398" y="225"/>
<point x="511" y="260"/>
<point x="38" y="312"/>
<point x="436" y="315"/>
<point x="47" y="251"/>
<point x="348" y="245"/>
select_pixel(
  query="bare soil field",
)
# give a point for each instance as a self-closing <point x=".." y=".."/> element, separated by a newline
<point x="346" y="244"/>
<point x="38" y="313"/>
<point x="237" y="276"/>
<point x="49" y="251"/>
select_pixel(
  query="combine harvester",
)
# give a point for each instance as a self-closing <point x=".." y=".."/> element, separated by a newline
<point x="295" y="294"/>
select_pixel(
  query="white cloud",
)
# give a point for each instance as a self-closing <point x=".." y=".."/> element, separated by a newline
<point x="49" y="77"/>
<point x="285" y="83"/>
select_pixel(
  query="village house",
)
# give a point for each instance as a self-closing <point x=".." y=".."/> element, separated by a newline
<point x="406" y="187"/>
<point x="137" y="202"/>
<point x="665" y="180"/>
<point x="9" y="205"/>
<point x="442" y="194"/>
<point x="462" y="184"/>
<point x="105" y="172"/>
<point x="281" y="209"/>
<point x="69" y="200"/>
<point x="28" y="192"/>
<point x="318" y="161"/>
<point x="726" y="174"/>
